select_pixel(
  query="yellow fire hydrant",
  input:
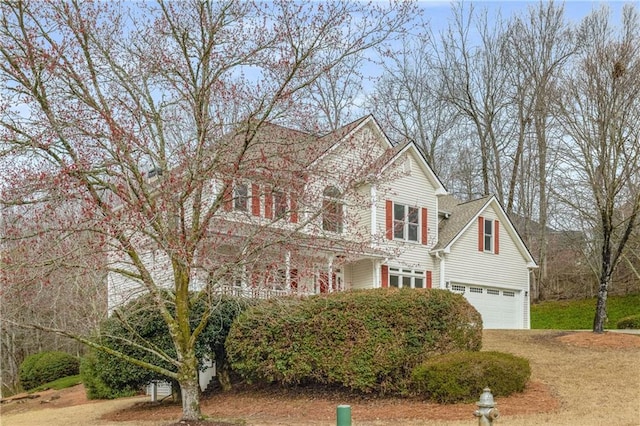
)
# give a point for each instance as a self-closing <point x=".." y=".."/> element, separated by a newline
<point x="486" y="412"/>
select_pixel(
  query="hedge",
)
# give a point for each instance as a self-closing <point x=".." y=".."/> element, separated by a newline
<point x="367" y="340"/>
<point x="630" y="322"/>
<point x="45" y="367"/>
<point x="461" y="377"/>
<point x="107" y="376"/>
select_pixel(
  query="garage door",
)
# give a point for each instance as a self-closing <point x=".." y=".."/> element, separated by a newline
<point x="499" y="308"/>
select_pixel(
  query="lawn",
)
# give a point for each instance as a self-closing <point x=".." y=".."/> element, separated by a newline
<point x="578" y="314"/>
<point x="569" y="372"/>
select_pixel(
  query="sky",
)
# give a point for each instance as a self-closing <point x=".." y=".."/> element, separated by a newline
<point x="439" y="11"/>
<point x="438" y="14"/>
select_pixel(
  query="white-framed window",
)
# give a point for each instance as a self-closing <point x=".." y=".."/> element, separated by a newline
<point x="488" y="235"/>
<point x="240" y="197"/>
<point x="280" y="204"/>
<point x="406" y="278"/>
<point x="332" y="210"/>
<point x="406" y="222"/>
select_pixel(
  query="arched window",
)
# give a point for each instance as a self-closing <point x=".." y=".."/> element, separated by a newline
<point x="332" y="220"/>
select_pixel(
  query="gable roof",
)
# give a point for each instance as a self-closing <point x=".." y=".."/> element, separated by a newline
<point x="462" y="215"/>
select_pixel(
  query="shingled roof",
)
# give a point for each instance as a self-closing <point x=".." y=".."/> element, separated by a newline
<point x="459" y="215"/>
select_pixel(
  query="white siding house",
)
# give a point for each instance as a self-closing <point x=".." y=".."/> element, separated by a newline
<point x="414" y="234"/>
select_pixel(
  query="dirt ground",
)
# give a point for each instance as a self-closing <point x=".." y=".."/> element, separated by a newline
<point x="578" y="378"/>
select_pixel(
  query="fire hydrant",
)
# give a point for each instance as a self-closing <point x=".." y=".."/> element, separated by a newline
<point x="486" y="412"/>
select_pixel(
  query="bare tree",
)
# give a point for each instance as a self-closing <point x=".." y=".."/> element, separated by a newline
<point x="64" y="290"/>
<point x="333" y="95"/>
<point x="97" y="97"/>
<point x="475" y="84"/>
<point x="408" y="99"/>
<point x="600" y="111"/>
<point x="539" y="45"/>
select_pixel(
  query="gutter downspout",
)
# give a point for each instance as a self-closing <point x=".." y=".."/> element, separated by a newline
<point x="442" y="270"/>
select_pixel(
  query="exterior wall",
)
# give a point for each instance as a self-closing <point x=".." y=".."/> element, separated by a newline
<point x="347" y="162"/>
<point x="362" y="276"/>
<point x="506" y="270"/>
<point x="122" y="289"/>
<point x="410" y="186"/>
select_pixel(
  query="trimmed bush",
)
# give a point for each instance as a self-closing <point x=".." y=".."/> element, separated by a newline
<point x="45" y="367"/>
<point x="630" y="322"/>
<point x="113" y="377"/>
<point x="367" y="340"/>
<point x="94" y="386"/>
<point x="461" y="377"/>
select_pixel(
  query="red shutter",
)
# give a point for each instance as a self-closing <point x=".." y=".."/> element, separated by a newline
<point x="385" y="276"/>
<point x="389" y="219"/>
<point x="496" y="243"/>
<point x="480" y="233"/>
<point x="429" y="279"/>
<point x="293" y="279"/>
<point x="268" y="204"/>
<point x="255" y="199"/>
<point x="294" y="208"/>
<point x="227" y="197"/>
<point x="424" y="226"/>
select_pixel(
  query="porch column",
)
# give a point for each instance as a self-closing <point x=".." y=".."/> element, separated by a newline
<point x="287" y="270"/>
<point x="374" y="204"/>
<point x="442" y="283"/>
<point x="376" y="273"/>
<point x="330" y="275"/>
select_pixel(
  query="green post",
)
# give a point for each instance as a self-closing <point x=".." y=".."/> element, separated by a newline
<point x="344" y="415"/>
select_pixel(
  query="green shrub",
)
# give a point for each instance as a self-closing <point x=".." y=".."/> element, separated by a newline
<point x="462" y="376"/>
<point x="94" y="386"/>
<point x="45" y="367"/>
<point x="114" y="377"/>
<point x="632" y="321"/>
<point x="366" y="340"/>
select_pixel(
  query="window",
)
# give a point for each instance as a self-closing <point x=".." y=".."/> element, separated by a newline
<point x="488" y="235"/>
<point x="280" y="204"/>
<point x="509" y="293"/>
<point x="475" y="290"/>
<point x="493" y="292"/>
<point x="458" y="288"/>
<point x="406" y="278"/>
<point x="406" y="222"/>
<point x="240" y="197"/>
<point x="332" y="214"/>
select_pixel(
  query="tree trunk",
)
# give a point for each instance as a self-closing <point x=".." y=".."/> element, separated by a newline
<point x="601" y="305"/>
<point x="190" y="390"/>
<point x="605" y="278"/>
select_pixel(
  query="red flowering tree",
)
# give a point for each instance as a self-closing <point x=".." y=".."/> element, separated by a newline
<point x="134" y="128"/>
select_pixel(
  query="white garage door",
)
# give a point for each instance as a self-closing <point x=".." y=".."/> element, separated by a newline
<point x="499" y="308"/>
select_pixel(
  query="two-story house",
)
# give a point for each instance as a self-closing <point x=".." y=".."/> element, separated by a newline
<point x="355" y="212"/>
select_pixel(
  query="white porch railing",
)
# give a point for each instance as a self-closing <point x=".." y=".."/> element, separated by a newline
<point x="255" y="292"/>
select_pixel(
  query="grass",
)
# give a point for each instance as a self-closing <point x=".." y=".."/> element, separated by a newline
<point x="63" y="383"/>
<point x="578" y="314"/>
